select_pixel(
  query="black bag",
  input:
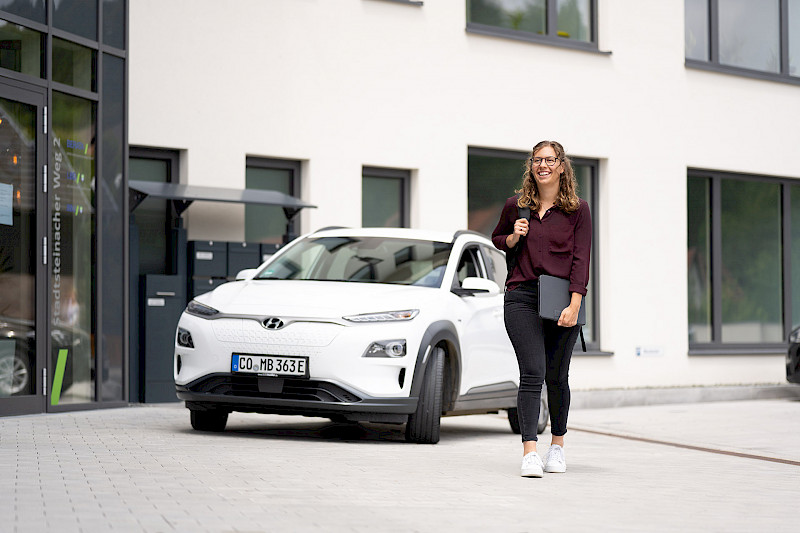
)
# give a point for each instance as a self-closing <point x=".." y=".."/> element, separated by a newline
<point x="511" y="255"/>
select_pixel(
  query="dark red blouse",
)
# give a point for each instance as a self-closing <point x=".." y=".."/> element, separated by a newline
<point x="557" y="244"/>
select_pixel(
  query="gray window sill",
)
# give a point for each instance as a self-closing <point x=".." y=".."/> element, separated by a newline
<point x="557" y="42"/>
<point x="407" y="2"/>
<point x="590" y="352"/>
<point x="720" y="349"/>
<point x="741" y="72"/>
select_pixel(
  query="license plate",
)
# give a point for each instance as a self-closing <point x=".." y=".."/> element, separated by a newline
<point x="270" y="365"/>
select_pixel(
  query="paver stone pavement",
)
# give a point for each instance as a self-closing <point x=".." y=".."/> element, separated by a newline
<point x="726" y="466"/>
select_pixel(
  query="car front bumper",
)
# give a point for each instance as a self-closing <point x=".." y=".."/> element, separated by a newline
<point x="293" y="396"/>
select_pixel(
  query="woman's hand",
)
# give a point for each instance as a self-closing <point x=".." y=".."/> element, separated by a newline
<point x="569" y="316"/>
<point x="520" y="230"/>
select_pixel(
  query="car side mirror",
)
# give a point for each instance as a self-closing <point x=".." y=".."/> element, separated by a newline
<point x="479" y="287"/>
<point x="246" y="274"/>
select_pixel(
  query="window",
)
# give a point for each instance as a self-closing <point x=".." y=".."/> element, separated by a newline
<point x="266" y="223"/>
<point x="76" y="16"/>
<point x="468" y="265"/>
<point x="496" y="265"/>
<point x="73" y="252"/>
<point x="759" y="38"/>
<point x="363" y="259"/>
<point x="114" y="23"/>
<point x="112" y="228"/>
<point x="22" y="49"/>
<point x="740" y="242"/>
<point x="153" y="218"/>
<point x="384" y="198"/>
<point x="35" y="10"/>
<point x="74" y="65"/>
<point x="570" y="23"/>
<point x="494" y="175"/>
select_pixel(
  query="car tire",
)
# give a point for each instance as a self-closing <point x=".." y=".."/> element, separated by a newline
<point x="15" y="376"/>
<point x="544" y="415"/>
<point x="213" y="420"/>
<point x="424" y="424"/>
<point x="513" y="420"/>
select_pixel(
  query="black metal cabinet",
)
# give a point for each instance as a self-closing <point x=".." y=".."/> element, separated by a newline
<point x="164" y="300"/>
<point x="242" y="255"/>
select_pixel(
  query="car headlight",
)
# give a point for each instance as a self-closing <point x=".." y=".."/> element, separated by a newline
<point x="185" y="338"/>
<point x="393" y="348"/>
<point x="794" y="336"/>
<point x="387" y="316"/>
<point x="198" y="309"/>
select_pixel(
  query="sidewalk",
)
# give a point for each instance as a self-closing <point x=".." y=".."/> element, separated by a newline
<point x="143" y="468"/>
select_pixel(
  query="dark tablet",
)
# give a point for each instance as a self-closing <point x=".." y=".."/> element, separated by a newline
<point x="554" y="296"/>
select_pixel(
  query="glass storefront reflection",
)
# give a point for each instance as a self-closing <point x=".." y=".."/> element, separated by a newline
<point x="21" y="49"/>
<point x="72" y="251"/>
<point x="30" y="9"/>
<point x="74" y="65"/>
<point x="17" y="242"/>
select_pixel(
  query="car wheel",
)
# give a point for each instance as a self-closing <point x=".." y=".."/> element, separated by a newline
<point x="423" y="425"/>
<point x="513" y="420"/>
<point x="15" y="375"/>
<point x="544" y="415"/>
<point x="213" y="420"/>
<point x="544" y="412"/>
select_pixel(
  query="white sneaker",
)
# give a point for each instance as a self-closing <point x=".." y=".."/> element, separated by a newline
<point x="532" y="465"/>
<point x="555" y="461"/>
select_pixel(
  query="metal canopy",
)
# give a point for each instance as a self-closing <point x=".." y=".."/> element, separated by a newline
<point x="182" y="196"/>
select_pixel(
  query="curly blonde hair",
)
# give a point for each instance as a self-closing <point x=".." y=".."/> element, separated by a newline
<point x="567" y="198"/>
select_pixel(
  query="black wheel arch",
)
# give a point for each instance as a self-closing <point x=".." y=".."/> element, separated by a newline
<point x="441" y="333"/>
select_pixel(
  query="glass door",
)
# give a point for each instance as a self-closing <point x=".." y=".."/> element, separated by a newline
<point x="22" y="273"/>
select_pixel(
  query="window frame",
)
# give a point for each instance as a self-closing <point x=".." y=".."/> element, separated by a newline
<point x="418" y="3"/>
<point x="713" y="64"/>
<point x="551" y="36"/>
<point x="405" y="195"/>
<point x="593" y="346"/>
<point x="716" y="346"/>
<point x="295" y="166"/>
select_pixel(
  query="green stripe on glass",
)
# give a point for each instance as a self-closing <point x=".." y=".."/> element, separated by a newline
<point x="58" y="378"/>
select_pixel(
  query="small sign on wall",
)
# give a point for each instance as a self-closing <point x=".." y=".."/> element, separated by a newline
<point x="649" y="351"/>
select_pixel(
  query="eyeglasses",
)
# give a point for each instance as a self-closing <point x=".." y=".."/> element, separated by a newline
<point x="551" y="161"/>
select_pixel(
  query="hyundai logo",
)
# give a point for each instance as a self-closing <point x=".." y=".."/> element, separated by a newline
<point x="272" y="322"/>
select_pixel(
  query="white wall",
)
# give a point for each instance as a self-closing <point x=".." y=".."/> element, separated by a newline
<point x="339" y="84"/>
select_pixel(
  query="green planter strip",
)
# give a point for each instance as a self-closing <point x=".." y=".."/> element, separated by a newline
<point x="58" y="378"/>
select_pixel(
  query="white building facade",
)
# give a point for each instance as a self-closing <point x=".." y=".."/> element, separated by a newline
<point x="686" y="145"/>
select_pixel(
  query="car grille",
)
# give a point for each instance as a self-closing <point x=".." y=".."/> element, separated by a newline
<point x="293" y="389"/>
<point x="298" y="338"/>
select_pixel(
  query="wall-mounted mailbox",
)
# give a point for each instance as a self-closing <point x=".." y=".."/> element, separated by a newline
<point x="208" y="258"/>
<point x="242" y="255"/>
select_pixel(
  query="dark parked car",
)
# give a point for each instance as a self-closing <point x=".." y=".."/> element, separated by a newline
<point x="793" y="357"/>
<point x="17" y="354"/>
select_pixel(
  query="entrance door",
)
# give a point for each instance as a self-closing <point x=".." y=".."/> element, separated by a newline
<point x="22" y="231"/>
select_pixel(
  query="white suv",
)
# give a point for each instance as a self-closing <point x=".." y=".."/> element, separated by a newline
<point x="379" y="325"/>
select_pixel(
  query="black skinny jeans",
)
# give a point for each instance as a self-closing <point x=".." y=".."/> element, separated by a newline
<point x="543" y="351"/>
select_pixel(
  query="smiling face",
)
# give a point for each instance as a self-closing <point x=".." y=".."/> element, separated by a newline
<point x="546" y="175"/>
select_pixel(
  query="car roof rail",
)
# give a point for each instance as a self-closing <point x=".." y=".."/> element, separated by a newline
<point x="330" y="227"/>
<point x="461" y="232"/>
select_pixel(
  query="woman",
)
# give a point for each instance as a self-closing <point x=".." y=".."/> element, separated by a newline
<point x="556" y="241"/>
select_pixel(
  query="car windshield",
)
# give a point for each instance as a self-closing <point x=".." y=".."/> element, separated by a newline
<point x="362" y="259"/>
